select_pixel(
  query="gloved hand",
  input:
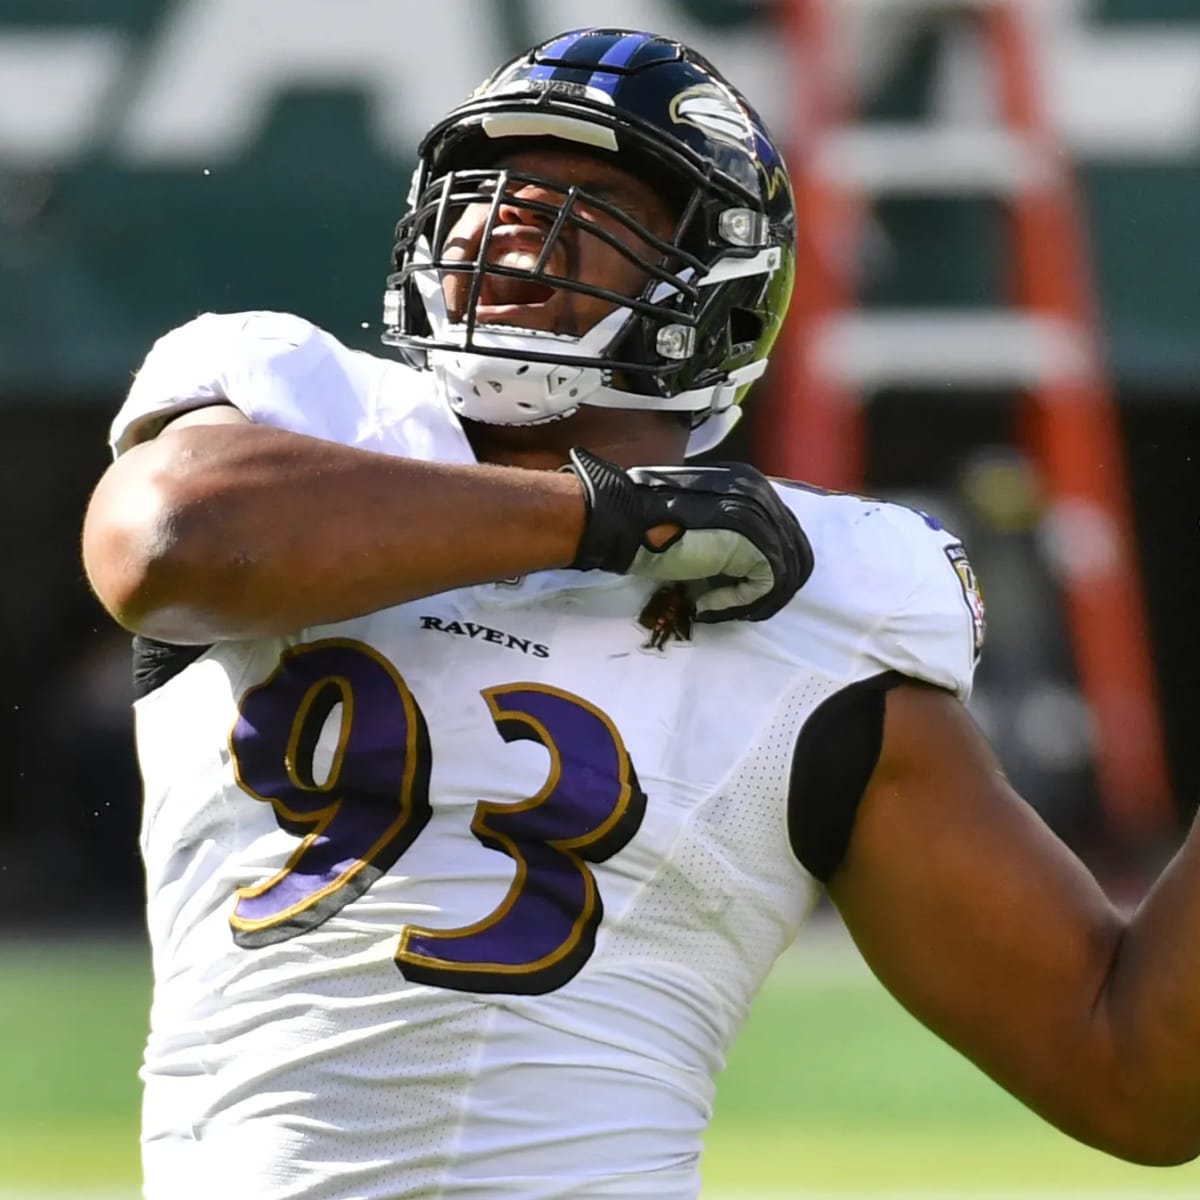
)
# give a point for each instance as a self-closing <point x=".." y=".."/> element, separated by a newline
<point x="734" y="534"/>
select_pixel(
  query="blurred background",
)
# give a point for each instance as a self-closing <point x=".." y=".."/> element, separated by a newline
<point x="996" y="322"/>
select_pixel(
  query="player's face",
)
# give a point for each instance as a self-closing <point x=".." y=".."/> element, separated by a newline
<point x="520" y="234"/>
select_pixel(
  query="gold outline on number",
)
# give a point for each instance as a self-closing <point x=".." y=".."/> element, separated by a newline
<point x="564" y="846"/>
<point x="322" y="817"/>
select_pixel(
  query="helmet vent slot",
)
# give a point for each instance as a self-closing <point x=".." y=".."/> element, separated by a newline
<point x="744" y="326"/>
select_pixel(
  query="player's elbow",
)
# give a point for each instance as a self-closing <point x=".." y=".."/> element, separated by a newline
<point x="1146" y="1095"/>
<point x="1165" y="1126"/>
<point x="1176" y="1155"/>
<point x="140" y="546"/>
<point x="1158" y="1147"/>
<point x="1150" y="1128"/>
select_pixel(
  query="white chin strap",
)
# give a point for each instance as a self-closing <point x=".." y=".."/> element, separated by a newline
<point x="516" y="391"/>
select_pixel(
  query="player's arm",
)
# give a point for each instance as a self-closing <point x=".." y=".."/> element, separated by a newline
<point x="989" y="930"/>
<point x="222" y="528"/>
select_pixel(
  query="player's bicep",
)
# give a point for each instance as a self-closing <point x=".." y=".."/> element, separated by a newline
<point x="975" y="916"/>
<point x="125" y="488"/>
<point x="121" y="524"/>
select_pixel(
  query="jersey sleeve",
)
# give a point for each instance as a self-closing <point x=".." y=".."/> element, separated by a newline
<point x="936" y="631"/>
<point x="276" y="368"/>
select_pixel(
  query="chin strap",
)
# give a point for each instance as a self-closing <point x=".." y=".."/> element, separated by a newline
<point x="712" y="431"/>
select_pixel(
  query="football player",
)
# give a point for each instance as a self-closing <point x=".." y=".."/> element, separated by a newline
<point x="492" y="754"/>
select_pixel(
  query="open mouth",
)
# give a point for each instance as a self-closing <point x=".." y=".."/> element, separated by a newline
<point x="507" y="291"/>
<point x="514" y="248"/>
<point x="523" y="299"/>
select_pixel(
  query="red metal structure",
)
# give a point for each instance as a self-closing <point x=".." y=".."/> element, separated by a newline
<point x="1045" y="344"/>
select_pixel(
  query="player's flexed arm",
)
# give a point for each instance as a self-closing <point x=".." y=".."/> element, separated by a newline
<point x="222" y="528"/>
<point x="990" y="931"/>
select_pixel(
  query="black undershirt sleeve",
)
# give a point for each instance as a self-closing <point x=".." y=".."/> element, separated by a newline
<point x="154" y="663"/>
<point x="836" y="752"/>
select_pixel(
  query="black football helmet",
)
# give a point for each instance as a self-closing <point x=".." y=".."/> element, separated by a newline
<point x="698" y="333"/>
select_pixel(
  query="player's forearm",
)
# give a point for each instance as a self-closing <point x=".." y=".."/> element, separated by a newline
<point x="1152" y="1003"/>
<point x="242" y="531"/>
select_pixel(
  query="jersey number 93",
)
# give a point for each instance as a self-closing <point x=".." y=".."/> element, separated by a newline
<point x="373" y="803"/>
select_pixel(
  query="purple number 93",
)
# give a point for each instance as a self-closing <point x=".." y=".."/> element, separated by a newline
<point x="373" y="802"/>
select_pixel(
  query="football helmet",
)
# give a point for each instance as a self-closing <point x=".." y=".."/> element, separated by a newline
<point x="698" y="332"/>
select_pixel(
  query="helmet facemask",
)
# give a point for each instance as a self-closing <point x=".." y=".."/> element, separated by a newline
<point x="514" y="374"/>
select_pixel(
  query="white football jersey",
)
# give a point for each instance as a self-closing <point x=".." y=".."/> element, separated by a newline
<point x="468" y="897"/>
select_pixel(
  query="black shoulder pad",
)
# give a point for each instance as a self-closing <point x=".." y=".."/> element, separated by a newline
<point x="155" y="663"/>
<point x="836" y="751"/>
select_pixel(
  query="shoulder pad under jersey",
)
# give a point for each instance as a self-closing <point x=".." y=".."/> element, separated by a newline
<point x="275" y="367"/>
<point x="891" y="590"/>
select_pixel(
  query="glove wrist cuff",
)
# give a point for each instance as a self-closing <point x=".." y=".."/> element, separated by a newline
<point x="616" y="519"/>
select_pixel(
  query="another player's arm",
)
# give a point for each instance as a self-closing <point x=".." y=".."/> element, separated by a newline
<point x="989" y="930"/>
<point x="220" y="528"/>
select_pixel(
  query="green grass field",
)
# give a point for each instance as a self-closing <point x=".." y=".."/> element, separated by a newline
<point x="832" y="1091"/>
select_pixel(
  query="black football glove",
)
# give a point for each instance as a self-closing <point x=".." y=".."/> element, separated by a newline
<point x="735" y="534"/>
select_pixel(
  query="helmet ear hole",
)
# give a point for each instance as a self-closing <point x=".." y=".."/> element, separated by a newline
<point x="745" y="327"/>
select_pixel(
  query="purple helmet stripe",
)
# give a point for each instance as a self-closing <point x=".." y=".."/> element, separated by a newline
<point x="556" y="50"/>
<point x="619" y="54"/>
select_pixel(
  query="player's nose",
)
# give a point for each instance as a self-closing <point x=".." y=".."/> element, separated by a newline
<point x="530" y="204"/>
<point x="525" y="206"/>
